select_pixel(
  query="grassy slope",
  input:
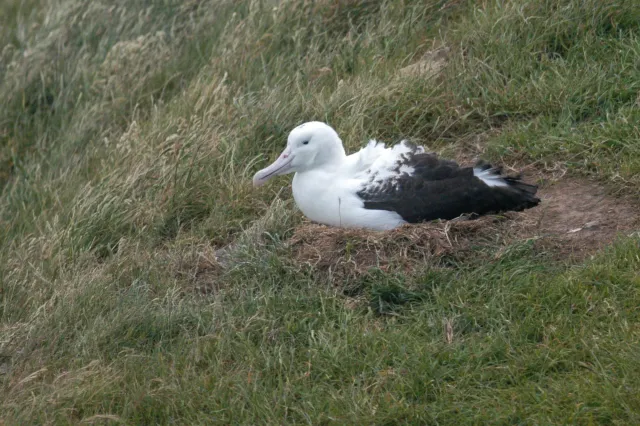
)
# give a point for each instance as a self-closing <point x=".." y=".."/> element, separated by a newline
<point x="128" y="135"/>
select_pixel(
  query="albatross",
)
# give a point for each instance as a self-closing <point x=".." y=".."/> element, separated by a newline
<point x="381" y="187"/>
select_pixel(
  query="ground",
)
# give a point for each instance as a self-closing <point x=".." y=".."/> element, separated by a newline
<point x="143" y="280"/>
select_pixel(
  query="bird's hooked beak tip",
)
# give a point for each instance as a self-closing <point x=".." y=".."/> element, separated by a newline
<point x="257" y="182"/>
<point x="279" y="167"/>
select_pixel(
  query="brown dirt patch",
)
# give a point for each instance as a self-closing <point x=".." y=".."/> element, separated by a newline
<point x="574" y="219"/>
<point x="578" y="217"/>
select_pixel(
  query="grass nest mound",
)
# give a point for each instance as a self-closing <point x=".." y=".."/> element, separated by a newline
<point x="352" y="252"/>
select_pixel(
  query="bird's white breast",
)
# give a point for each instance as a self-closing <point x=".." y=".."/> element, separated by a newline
<point x="331" y="199"/>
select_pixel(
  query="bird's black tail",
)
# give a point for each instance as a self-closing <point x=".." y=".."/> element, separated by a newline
<point x="516" y="195"/>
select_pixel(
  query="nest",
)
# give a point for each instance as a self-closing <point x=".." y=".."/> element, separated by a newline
<point x="351" y="252"/>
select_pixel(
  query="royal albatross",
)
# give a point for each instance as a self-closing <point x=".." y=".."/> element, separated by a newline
<point x="381" y="188"/>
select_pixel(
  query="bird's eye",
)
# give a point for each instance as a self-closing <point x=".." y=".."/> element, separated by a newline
<point x="305" y="143"/>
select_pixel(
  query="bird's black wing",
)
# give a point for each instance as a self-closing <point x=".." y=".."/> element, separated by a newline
<point x="441" y="189"/>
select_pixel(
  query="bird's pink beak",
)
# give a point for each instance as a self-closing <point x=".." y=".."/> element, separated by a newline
<point x="279" y="167"/>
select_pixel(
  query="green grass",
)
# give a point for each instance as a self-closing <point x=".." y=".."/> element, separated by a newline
<point x="129" y="132"/>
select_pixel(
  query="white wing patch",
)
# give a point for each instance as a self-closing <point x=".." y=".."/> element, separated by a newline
<point x="490" y="177"/>
<point x="370" y="153"/>
<point x="360" y="161"/>
<point x="386" y="166"/>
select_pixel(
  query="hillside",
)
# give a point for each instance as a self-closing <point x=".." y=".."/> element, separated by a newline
<point x="143" y="280"/>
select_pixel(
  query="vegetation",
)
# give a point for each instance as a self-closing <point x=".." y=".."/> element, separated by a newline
<point x="129" y="132"/>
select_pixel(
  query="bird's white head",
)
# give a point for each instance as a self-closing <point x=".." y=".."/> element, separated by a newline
<point x="309" y="146"/>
